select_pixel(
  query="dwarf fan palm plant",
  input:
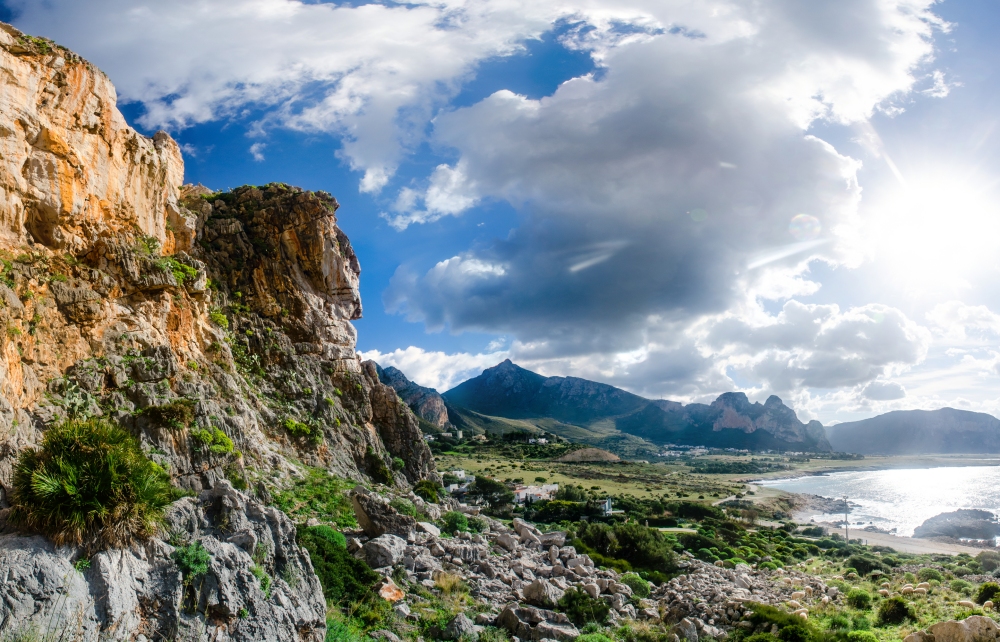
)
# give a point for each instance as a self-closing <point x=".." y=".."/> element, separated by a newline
<point x="89" y="483"/>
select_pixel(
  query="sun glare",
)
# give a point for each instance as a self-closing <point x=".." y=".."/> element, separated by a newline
<point x="937" y="230"/>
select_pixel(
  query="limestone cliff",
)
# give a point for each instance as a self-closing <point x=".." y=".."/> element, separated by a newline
<point x="179" y="313"/>
<point x="426" y="403"/>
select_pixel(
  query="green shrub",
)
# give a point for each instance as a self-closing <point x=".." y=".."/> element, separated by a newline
<point x="404" y="506"/>
<point x="89" y="482"/>
<point x="594" y="637"/>
<point x="426" y="490"/>
<point x="455" y="521"/>
<point x="839" y="623"/>
<point x="213" y="440"/>
<point x="863" y="565"/>
<point x="960" y="586"/>
<point x="398" y="463"/>
<point x="219" y="319"/>
<point x="639" y="586"/>
<point x="859" y="599"/>
<point x="894" y="610"/>
<point x="311" y="433"/>
<point x="327" y="533"/>
<point x="862" y="636"/>
<point x="192" y="560"/>
<point x="478" y="524"/>
<point x="794" y="633"/>
<point x="986" y="592"/>
<point x="860" y="622"/>
<point x="580" y="608"/>
<point x="344" y="579"/>
<point x="263" y="578"/>
<point x="768" y="565"/>
<point x="761" y="637"/>
<point x="928" y="574"/>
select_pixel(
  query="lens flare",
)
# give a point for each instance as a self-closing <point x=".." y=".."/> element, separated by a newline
<point x="805" y="227"/>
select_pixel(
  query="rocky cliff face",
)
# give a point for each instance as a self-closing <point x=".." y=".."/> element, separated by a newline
<point x="178" y="313"/>
<point x="426" y="403"/>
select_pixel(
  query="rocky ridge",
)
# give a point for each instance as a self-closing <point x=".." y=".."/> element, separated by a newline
<point x="215" y="327"/>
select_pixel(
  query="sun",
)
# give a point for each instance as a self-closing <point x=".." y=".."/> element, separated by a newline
<point x="936" y="229"/>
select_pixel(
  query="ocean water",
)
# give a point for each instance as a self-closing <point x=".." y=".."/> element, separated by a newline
<point x="900" y="499"/>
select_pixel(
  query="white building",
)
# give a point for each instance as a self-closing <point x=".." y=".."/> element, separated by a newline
<point x="542" y="441"/>
<point x="534" y="493"/>
<point x="460" y="474"/>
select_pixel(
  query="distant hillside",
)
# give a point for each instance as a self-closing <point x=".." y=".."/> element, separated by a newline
<point x="426" y="403"/>
<point x="588" y="455"/>
<point x="612" y="418"/>
<point x="911" y="432"/>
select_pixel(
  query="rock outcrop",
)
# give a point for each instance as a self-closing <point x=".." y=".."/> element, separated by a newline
<point x="965" y="523"/>
<point x="142" y="591"/>
<point x="216" y="327"/>
<point x="426" y="403"/>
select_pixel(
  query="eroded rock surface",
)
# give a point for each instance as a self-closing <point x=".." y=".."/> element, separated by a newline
<point x="141" y="590"/>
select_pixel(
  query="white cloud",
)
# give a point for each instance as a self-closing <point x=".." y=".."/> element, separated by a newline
<point x="373" y="74"/>
<point x="434" y="369"/>
<point x="448" y="193"/>
<point x="883" y="391"/>
<point x="257" y="151"/>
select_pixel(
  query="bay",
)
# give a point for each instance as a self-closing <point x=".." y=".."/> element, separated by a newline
<point x="899" y="500"/>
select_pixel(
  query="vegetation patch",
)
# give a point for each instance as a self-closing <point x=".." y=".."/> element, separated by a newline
<point x="213" y="440"/>
<point x="309" y="432"/>
<point x="318" y="494"/>
<point x="345" y="579"/>
<point x="176" y="415"/>
<point x="89" y="482"/>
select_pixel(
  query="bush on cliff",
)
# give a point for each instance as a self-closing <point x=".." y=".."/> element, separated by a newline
<point x="345" y="579"/>
<point x="89" y="482"/>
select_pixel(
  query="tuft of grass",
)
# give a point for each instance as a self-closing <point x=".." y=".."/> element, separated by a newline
<point x="89" y="482"/>
<point x="219" y="319"/>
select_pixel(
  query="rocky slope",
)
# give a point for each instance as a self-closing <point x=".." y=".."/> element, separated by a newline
<point x="912" y="432"/>
<point x="521" y="572"/>
<point x="507" y="390"/>
<point x="179" y="314"/>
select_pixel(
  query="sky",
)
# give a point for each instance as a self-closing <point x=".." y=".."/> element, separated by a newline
<point x="677" y="197"/>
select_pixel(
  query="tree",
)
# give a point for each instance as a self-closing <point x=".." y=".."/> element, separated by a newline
<point x="490" y="492"/>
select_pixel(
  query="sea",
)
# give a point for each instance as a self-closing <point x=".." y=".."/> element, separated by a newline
<point x="899" y="500"/>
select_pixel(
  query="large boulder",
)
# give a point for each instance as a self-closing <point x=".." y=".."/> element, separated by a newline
<point x="964" y="523"/>
<point x="529" y="623"/>
<point x="976" y="628"/>
<point x="541" y="592"/>
<point x="376" y="517"/>
<point x="461" y="627"/>
<point x="385" y="550"/>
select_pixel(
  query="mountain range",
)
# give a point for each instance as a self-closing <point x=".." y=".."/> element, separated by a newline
<point x="508" y="397"/>
<point x="913" y="432"/>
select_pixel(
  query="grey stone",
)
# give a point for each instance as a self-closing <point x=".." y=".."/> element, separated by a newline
<point x="376" y="517"/>
<point x="460" y="626"/>
<point x="386" y="550"/>
<point x="541" y="592"/>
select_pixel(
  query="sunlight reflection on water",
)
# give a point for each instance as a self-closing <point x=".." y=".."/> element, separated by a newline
<point x="901" y="498"/>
